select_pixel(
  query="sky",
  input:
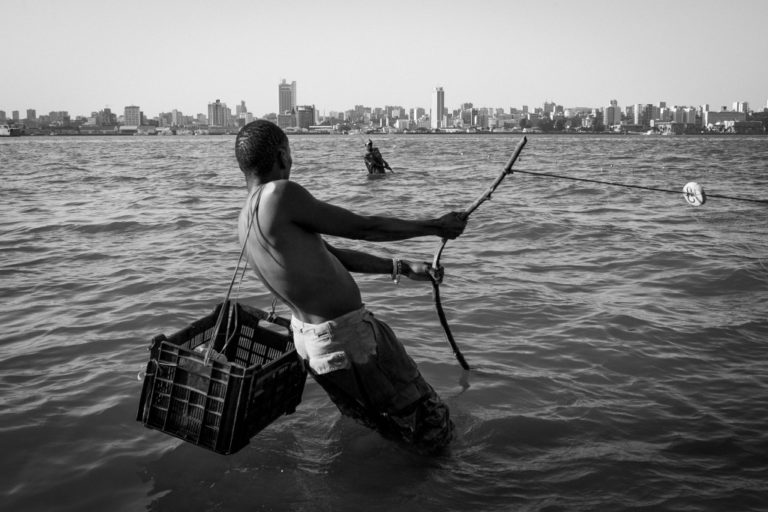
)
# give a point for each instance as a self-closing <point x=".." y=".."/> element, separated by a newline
<point x="84" y="55"/>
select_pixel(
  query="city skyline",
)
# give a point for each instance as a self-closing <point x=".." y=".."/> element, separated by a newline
<point x="498" y="54"/>
<point x="437" y="95"/>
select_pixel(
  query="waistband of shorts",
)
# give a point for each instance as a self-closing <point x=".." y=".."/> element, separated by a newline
<point x="354" y="317"/>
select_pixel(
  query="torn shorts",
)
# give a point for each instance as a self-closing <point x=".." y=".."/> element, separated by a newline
<point x="366" y="372"/>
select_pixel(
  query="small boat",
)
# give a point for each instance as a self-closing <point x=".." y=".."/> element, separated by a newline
<point x="9" y="131"/>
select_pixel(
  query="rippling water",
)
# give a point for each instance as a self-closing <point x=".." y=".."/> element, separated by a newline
<point x="617" y="336"/>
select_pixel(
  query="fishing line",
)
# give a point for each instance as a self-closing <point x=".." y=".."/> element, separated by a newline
<point x="690" y="191"/>
<point x="693" y="194"/>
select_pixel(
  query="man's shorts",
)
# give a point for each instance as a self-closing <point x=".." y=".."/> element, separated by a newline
<point x="365" y="370"/>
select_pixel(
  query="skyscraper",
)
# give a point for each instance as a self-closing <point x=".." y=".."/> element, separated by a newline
<point x="612" y="114"/>
<point x="438" y="107"/>
<point x="218" y="114"/>
<point x="132" y="116"/>
<point x="287" y="97"/>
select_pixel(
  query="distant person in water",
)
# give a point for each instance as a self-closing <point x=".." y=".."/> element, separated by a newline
<point x="373" y="159"/>
<point x="352" y="354"/>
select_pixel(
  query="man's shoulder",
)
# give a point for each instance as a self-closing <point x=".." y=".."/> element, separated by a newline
<point x="282" y="187"/>
<point x="285" y="194"/>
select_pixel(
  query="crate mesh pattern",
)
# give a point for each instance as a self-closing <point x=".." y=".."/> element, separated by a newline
<point x="220" y="405"/>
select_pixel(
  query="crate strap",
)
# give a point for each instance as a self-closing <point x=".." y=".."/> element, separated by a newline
<point x="225" y="305"/>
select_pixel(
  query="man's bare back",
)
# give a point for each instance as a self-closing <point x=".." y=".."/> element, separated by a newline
<point x="293" y="261"/>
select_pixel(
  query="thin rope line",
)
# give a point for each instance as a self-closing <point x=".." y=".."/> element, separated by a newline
<point x="225" y="304"/>
<point x="763" y="201"/>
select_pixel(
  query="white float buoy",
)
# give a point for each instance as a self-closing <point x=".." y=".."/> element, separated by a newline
<point x="694" y="194"/>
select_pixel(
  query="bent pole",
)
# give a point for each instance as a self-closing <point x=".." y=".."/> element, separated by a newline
<point x="507" y="170"/>
<point x="436" y="259"/>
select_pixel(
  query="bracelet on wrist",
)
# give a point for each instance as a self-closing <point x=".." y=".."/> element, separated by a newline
<point x="397" y="270"/>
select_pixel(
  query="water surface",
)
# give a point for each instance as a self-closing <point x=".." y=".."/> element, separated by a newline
<point x="617" y="336"/>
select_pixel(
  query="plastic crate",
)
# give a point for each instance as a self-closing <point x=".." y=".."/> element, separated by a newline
<point x="222" y="404"/>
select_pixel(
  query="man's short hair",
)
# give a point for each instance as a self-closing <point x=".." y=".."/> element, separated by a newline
<point x="257" y="144"/>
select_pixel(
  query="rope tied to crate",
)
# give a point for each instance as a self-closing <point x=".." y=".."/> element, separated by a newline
<point x="225" y="305"/>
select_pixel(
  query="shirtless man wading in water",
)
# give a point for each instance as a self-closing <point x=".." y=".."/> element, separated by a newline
<point x="354" y="356"/>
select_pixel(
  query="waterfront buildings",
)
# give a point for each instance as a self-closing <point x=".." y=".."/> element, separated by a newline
<point x="549" y="117"/>
<point x="287" y="96"/>
<point x="286" y="104"/>
<point x="714" y="118"/>
<point x="132" y="116"/>
<point x="741" y="106"/>
<point x="177" y="118"/>
<point x="305" y="116"/>
<point x="219" y="114"/>
<point x="612" y="115"/>
<point x="438" y="107"/>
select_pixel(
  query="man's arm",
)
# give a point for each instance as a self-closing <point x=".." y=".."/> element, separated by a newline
<point x="360" y="262"/>
<point x="364" y="263"/>
<point x="317" y="216"/>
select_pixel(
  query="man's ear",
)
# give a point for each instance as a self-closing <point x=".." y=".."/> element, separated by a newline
<point x="281" y="159"/>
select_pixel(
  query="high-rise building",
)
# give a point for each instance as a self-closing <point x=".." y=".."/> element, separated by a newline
<point x="438" y="108"/>
<point x="106" y="117"/>
<point x="644" y="114"/>
<point x="740" y="106"/>
<point x="305" y="116"/>
<point x="286" y="97"/>
<point x="132" y="116"/>
<point x="612" y="114"/>
<point x="177" y="118"/>
<point x="218" y="114"/>
<point x="679" y="115"/>
<point x="689" y="115"/>
<point x="31" y="114"/>
<point x="467" y="115"/>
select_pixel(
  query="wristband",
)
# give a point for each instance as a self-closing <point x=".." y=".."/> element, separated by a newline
<point x="397" y="268"/>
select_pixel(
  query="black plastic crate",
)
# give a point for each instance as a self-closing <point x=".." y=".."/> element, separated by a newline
<point x="222" y="404"/>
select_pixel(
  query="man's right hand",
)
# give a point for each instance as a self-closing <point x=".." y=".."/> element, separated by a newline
<point x="422" y="271"/>
<point x="452" y="225"/>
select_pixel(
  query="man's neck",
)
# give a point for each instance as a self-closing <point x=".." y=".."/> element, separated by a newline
<point x="254" y="181"/>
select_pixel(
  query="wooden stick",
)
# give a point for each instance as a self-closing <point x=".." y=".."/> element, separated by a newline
<point x="507" y="170"/>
